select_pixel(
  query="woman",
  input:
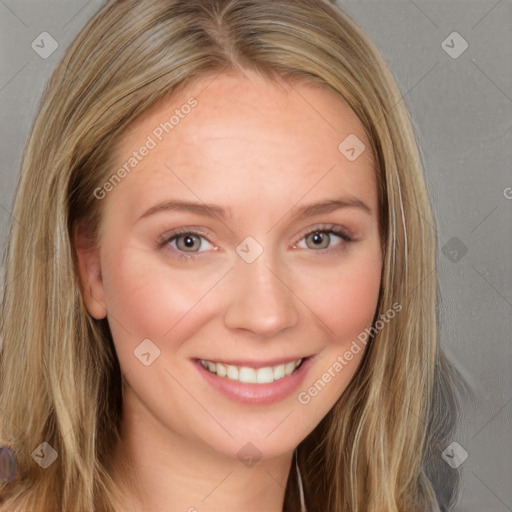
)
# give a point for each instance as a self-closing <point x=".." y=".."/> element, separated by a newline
<point x="175" y="334"/>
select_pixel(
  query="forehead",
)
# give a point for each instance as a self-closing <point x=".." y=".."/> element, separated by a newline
<point x="246" y="138"/>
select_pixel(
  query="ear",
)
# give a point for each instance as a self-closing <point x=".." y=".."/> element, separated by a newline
<point x="89" y="268"/>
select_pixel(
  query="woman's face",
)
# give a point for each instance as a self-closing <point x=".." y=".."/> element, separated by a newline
<point x="244" y="281"/>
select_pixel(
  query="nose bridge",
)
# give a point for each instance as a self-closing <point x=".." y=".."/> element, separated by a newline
<point x="260" y="301"/>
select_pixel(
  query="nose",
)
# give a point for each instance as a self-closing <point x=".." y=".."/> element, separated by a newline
<point x="261" y="298"/>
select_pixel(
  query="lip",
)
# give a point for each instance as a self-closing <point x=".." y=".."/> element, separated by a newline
<point x="257" y="394"/>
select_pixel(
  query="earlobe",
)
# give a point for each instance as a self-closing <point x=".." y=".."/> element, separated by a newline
<point x="89" y="268"/>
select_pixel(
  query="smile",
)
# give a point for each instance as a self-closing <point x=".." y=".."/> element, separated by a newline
<point x="255" y="382"/>
<point x="249" y="375"/>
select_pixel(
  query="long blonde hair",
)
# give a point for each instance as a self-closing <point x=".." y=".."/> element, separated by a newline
<point x="379" y="448"/>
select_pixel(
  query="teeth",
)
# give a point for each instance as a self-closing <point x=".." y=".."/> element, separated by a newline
<point x="232" y="372"/>
<point x="247" y="375"/>
<point x="221" y="370"/>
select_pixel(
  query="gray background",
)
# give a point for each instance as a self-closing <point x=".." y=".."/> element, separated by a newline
<point x="461" y="109"/>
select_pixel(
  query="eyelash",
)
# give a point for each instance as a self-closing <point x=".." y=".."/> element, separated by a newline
<point x="326" y="229"/>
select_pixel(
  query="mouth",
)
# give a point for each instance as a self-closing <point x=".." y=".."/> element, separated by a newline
<point x="255" y="383"/>
<point x="251" y="375"/>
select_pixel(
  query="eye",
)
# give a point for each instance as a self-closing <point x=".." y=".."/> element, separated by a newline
<point x="320" y="238"/>
<point x="186" y="241"/>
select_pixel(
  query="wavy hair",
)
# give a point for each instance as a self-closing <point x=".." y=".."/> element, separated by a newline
<point x="379" y="448"/>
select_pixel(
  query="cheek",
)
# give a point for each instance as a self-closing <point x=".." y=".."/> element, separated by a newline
<point x="146" y="300"/>
<point x="344" y="297"/>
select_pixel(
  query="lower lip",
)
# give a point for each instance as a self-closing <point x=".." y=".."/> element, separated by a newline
<point x="256" y="394"/>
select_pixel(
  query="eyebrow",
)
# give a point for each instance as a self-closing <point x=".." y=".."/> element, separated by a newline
<point x="211" y="210"/>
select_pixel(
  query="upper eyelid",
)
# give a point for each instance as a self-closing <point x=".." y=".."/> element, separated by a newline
<point x="326" y="227"/>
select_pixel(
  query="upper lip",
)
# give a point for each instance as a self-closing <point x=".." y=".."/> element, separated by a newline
<point x="254" y="364"/>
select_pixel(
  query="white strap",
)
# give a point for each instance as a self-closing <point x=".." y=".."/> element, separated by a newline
<point x="301" y="489"/>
